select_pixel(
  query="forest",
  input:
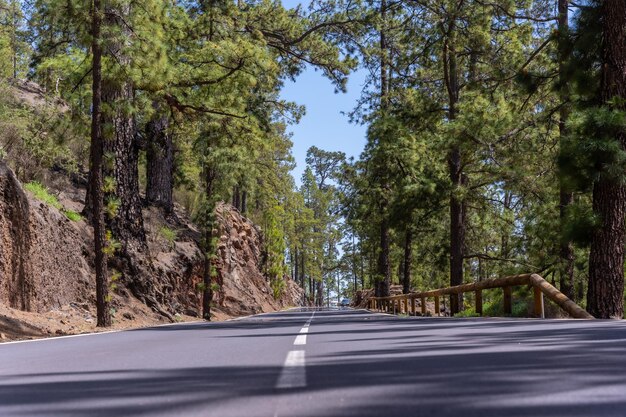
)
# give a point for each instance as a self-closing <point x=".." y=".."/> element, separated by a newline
<point x="496" y="135"/>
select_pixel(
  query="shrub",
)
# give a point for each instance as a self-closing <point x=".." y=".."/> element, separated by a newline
<point x="468" y="312"/>
<point x="169" y="234"/>
<point x="278" y="287"/>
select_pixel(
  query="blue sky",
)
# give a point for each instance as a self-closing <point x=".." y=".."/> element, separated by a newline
<point x="323" y="125"/>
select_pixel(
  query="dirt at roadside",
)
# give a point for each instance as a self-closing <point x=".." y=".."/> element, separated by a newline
<point x="74" y="318"/>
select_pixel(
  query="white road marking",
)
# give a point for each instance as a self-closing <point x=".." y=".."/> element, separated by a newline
<point x="300" y="340"/>
<point x="293" y="374"/>
<point x="308" y="323"/>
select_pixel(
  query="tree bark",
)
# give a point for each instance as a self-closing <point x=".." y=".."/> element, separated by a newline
<point x="457" y="231"/>
<point x="303" y="279"/>
<point x="96" y="182"/>
<point x="457" y="206"/>
<point x="566" y="250"/>
<point x="208" y="249"/>
<point x="295" y="266"/>
<point x="354" y="265"/>
<point x="121" y="144"/>
<point x="605" y="296"/>
<point x="566" y="197"/>
<point x="236" y="198"/>
<point x="408" y="246"/>
<point x="244" y="202"/>
<point x="160" y="164"/>
<point x="319" y="293"/>
<point x="384" y="268"/>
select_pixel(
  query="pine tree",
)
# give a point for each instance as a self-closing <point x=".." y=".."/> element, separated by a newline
<point x="605" y="298"/>
<point x="96" y="174"/>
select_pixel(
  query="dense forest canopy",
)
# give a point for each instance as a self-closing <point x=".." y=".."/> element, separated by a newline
<point x="495" y="145"/>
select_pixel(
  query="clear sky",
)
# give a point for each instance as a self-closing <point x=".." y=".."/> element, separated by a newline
<point x="323" y="125"/>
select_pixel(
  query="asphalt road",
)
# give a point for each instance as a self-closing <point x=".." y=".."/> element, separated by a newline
<point x="325" y="363"/>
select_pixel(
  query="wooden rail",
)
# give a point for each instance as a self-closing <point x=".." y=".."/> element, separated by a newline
<point x="541" y="287"/>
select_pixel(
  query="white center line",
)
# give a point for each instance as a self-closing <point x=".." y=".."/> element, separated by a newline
<point x="293" y="374"/>
<point x="300" y="339"/>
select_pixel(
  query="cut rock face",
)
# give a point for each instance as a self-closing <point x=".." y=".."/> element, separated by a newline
<point x="46" y="262"/>
<point x="42" y="253"/>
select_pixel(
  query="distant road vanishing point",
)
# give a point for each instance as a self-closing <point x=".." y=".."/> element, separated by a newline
<point x="341" y="362"/>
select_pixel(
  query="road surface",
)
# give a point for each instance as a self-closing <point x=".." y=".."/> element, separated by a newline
<point x="325" y="363"/>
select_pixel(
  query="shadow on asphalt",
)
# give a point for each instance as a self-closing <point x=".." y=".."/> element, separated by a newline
<point x="456" y="367"/>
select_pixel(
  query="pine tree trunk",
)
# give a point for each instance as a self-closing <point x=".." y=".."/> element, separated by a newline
<point x="566" y="252"/>
<point x="354" y="265"/>
<point x="236" y="197"/>
<point x="457" y="231"/>
<point x="96" y="173"/>
<point x="319" y="293"/>
<point x="362" y="271"/>
<point x="295" y="265"/>
<point x="457" y="206"/>
<point x="408" y="245"/>
<point x="303" y="278"/>
<point x="160" y="164"/>
<point x="208" y="249"/>
<point x="127" y="226"/>
<point x="244" y="201"/>
<point x="605" y="296"/>
<point x="384" y="267"/>
<point x="566" y="197"/>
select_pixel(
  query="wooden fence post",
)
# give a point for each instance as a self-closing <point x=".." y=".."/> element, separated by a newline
<point x="539" y="307"/>
<point x="423" y="300"/>
<point x="508" y="305"/>
<point x="412" y="305"/>
<point x="437" y="310"/>
<point x="479" y="302"/>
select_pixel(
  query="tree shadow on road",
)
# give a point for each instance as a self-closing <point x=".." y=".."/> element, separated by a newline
<point x="393" y="367"/>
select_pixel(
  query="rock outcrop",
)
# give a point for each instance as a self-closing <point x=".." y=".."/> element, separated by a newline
<point x="243" y="287"/>
<point x="46" y="262"/>
<point x="44" y="257"/>
<point x="177" y="269"/>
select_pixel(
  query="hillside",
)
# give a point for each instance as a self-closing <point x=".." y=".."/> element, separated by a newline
<point x="47" y="279"/>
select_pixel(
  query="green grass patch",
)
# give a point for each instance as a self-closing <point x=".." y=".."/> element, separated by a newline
<point x="72" y="215"/>
<point x="42" y="194"/>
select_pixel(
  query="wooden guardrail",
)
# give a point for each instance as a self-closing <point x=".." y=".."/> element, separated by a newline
<point x="541" y="288"/>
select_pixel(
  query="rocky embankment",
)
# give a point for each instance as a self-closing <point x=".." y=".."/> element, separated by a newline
<point x="47" y="283"/>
